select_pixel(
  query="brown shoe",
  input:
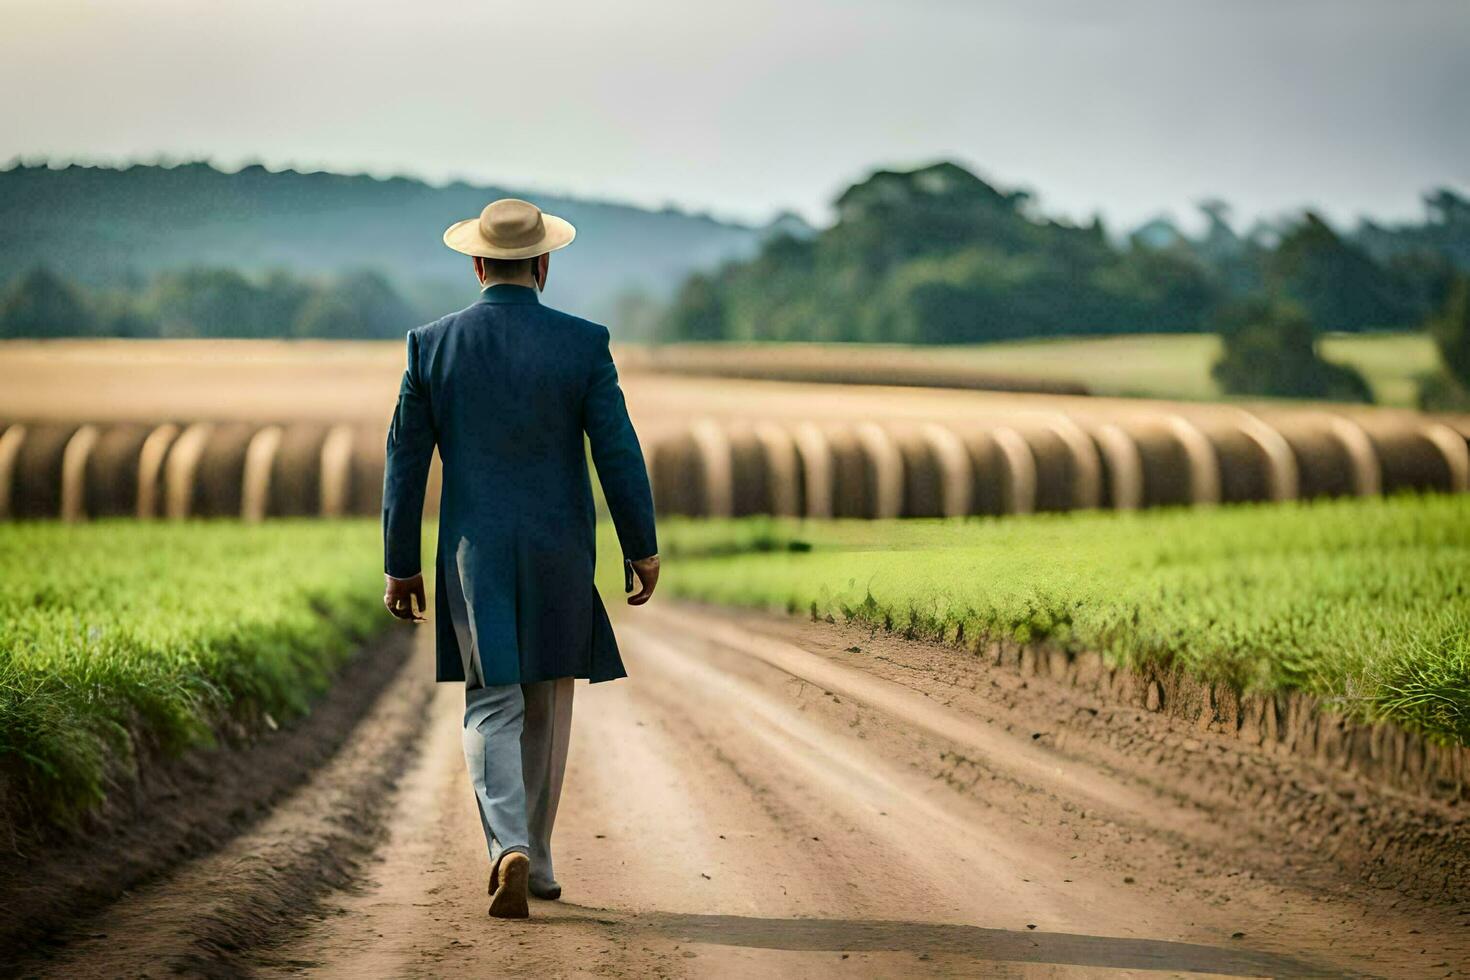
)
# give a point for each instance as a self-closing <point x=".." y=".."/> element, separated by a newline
<point x="548" y="892"/>
<point x="508" y="887"/>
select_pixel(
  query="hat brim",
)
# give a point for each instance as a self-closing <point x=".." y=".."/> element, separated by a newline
<point x="464" y="236"/>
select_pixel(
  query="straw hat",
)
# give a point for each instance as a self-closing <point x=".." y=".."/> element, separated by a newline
<point x="510" y="229"/>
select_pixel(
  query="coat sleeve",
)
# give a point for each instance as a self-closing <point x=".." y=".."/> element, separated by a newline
<point x="618" y="458"/>
<point x="411" y="441"/>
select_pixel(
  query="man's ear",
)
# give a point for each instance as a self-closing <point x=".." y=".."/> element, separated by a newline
<point x="540" y="269"/>
<point x="479" y="265"/>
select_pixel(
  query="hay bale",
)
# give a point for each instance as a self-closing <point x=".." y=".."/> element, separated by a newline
<point x="1121" y="468"/>
<point x="749" y="476"/>
<point x="1245" y="471"/>
<point x="35" y="489"/>
<point x="923" y="477"/>
<point x="867" y="471"/>
<point x="296" y="471"/>
<point x="111" y="482"/>
<point x="363" y="490"/>
<point x="1334" y="455"/>
<point x="882" y="471"/>
<point x="1326" y="467"/>
<point x="678" y="480"/>
<point x="12" y="438"/>
<point x="1415" y="455"/>
<point x="1456" y="449"/>
<point x="1004" y="471"/>
<point x="818" y="476"/>
<point x="255" y="483"/>
<point x="1167" y="479"/>
<point x="219" y="473"/>
<point x="1068" y="468"/>
<point x="782" y="466"/>
<point x="74" y="460"/>
<point x="851" y="494"/>
<point x="1282" y="478"/>
<point x="1055" y="490"/>
<point x="765" y="471"/>
<point x="713" y="458"/>
<point x="957" y="472"/>
<point x="152" y="470"/>
<point x="179" y="469"/>
<point x="352" y="465"/>
<point x="1084" y="463"/>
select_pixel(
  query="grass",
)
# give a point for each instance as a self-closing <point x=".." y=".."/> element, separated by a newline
<point x="1178" y="365"/>
<point x="119" y="638"/>
<point x="1365" y="603"/>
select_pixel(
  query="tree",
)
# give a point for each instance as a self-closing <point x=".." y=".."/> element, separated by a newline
<point x="698" y="312"/>
<point x="211" y="303"/>
<point x="1336" y="281"/>
<point x="1451" y="331"/>
<point x="1449" y="388"/>
<point x="1270" y="348"/>
<point x="42" y="304"/>
<point x="379" y="310"/>
<point x="939" y="255"/>
<point x="328" y="315"/>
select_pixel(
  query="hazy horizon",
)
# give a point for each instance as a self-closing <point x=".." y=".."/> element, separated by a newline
<point x="745" y="110"/>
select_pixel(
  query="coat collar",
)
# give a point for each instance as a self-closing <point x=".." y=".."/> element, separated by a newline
<point x="504" y="292"/>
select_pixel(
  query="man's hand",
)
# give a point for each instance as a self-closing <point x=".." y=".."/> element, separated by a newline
<point x="399" y="595"/>
<point x="647" y="571"/>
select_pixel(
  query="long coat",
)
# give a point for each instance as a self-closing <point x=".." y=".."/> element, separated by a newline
<point x="505" y="389"/>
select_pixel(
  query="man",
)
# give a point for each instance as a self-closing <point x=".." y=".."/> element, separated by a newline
<point x="506" y="388"/>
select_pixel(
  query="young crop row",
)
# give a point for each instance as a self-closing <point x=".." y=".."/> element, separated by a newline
<point x="1362" y="602"/>
<point x="120" y="634"/>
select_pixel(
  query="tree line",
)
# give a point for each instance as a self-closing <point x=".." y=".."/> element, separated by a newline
<point x="210" y="303"/>
<point x="939" y="256"/>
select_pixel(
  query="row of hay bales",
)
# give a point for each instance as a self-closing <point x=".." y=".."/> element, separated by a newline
<point x="1000" y="463"/>
<point x="174" y="470"/>
<point x="1039" y="462"/>
<point x="851" y="364"/>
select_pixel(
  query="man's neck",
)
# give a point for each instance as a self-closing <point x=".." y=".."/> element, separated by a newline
<point x="526" y="281"/>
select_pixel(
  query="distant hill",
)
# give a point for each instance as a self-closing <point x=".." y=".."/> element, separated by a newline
<point x="110" y="227"/>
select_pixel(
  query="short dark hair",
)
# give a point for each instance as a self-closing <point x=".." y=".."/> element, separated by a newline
<point x="508" y="268"/>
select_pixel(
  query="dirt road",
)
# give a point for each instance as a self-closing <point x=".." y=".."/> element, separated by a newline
<point x="770" y="798"/>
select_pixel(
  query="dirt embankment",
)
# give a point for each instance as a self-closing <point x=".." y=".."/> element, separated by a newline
<point x="52" y="884"/>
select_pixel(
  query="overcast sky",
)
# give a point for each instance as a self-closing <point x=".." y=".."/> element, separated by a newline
<point x="1128" y="107"/>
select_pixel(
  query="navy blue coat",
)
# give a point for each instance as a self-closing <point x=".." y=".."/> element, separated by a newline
<point x="505" y="389"/>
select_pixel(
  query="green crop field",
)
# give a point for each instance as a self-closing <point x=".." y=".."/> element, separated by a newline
<point x="121" y="633"/>
<point x="1178" y="365"/>
<point x="1171" y="366"/>
<point x="1363" y="602"/>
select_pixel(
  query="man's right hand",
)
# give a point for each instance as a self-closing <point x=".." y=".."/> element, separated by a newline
<point x="399" y="595"/>
<point x="647" y="571"/>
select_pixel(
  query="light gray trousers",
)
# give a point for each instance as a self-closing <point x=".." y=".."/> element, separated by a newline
<point x="515" y="746"/>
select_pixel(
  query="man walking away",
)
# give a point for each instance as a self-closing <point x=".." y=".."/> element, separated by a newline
<point x="505" y="389"/>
